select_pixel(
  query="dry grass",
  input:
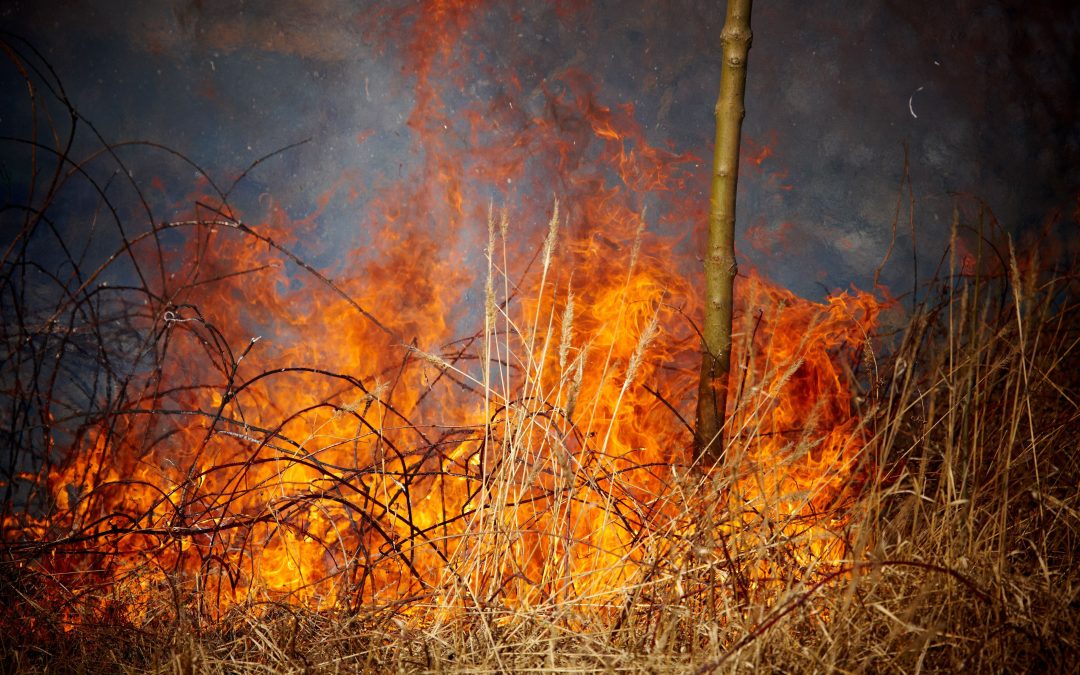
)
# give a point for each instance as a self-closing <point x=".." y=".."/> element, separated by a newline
<point x="153" y="465"/>
<point x="959" y="549"/>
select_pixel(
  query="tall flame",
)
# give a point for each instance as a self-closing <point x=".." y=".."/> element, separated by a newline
<point x="365" y="453"/>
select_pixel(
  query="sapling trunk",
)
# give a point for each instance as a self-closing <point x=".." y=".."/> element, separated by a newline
<point x="720" y="266"/>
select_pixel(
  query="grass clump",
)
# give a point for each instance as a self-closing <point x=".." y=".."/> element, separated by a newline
<point x="932" y="529"/>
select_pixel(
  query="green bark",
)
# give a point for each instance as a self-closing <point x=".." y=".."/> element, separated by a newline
<point x="720" y="265"/>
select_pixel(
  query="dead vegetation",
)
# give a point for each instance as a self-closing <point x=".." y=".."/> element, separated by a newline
<point x="166" y="508"/>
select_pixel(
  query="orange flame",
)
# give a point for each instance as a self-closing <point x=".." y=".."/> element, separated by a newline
<point x="368" y="459"/>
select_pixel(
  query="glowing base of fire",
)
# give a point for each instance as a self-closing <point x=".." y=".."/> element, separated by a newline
<point x="571" y="480"/>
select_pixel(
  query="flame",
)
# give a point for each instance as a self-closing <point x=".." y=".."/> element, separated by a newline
<point x="363" y="453"/>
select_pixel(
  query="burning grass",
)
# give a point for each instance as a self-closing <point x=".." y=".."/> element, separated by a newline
<point x="396" y="476"/>
<point x="889" y="500"/>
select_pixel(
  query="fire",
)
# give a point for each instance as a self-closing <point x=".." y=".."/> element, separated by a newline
<point x="364" y="453"/>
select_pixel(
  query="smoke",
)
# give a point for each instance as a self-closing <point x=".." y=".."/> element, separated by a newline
<point x="981" y="95"/>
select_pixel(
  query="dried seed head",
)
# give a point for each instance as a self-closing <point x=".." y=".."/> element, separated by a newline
<point x="490" y="308"/>
<point x="644" y="340"/>
<point x="567" y="330"/>
<point x="575" y="384"/>
<point x="552" y="235"/>
<point x="489" y="284"/>
<point x="778" y="386"/>
<point x="434" y="359"/>
<point x="504" y="223"/>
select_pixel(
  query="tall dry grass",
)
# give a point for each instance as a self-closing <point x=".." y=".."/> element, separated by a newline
<point x="955" y="554"/>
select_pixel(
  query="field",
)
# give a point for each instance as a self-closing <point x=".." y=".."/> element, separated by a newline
<point x="442" y="458"/>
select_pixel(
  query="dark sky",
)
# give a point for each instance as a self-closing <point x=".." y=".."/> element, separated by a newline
<point x="981" y="93"/>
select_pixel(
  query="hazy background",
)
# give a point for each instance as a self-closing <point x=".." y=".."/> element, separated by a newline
<point x="982" y="94"/>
